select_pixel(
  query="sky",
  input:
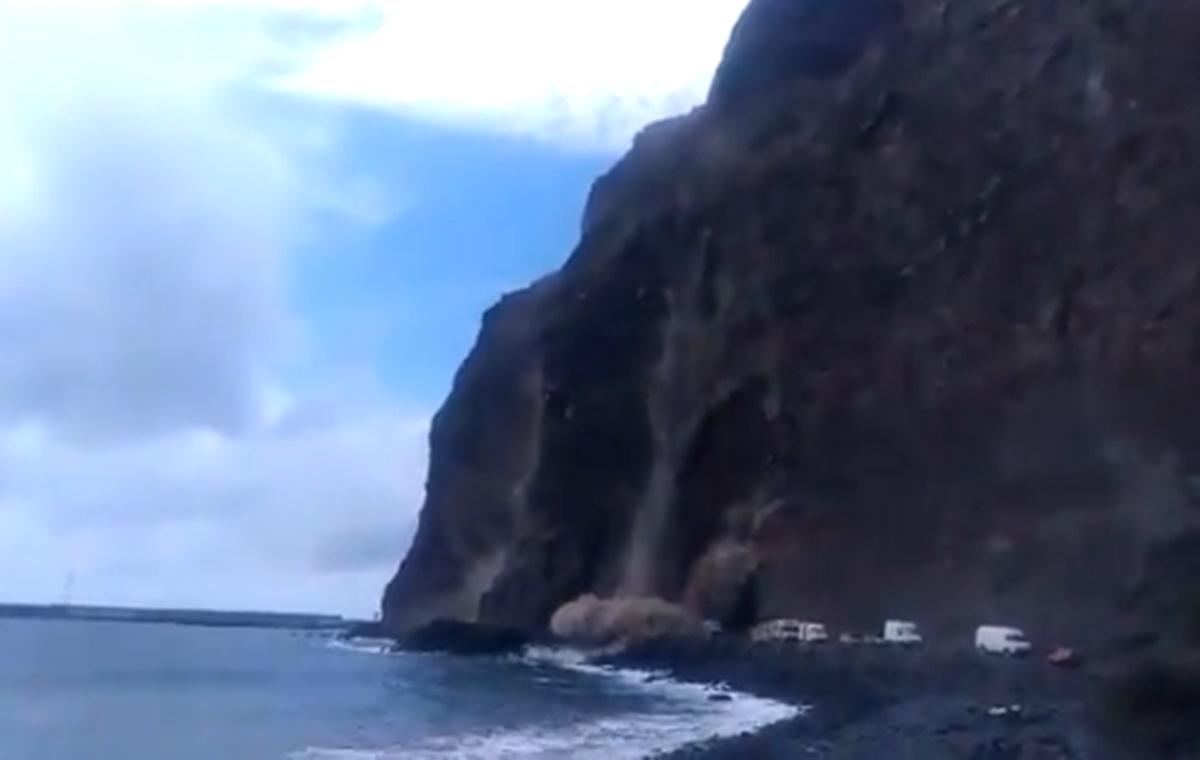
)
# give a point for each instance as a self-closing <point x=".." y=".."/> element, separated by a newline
<point x="244" y="247"/>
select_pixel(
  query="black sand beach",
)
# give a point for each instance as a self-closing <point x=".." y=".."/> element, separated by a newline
<point x="883" y="702"/>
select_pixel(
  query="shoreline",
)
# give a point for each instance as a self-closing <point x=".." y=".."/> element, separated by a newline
<point x="872" y="701"/>
<point x="749" y="714"/>
<point x="869" y="702"/>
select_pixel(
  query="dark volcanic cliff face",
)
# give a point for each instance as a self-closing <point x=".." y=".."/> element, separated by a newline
<point x="908" y="313"/>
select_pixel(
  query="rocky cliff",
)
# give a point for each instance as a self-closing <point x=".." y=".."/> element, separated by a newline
<point x="905" y="320"/>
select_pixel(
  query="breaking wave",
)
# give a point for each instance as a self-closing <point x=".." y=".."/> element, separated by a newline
<point x="689" y="715"/>
<point x="361" y="646"/>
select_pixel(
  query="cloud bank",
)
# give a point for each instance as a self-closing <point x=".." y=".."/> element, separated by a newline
<point x="151" y="446"/>
<point x="580" y="73"/>
<point x="166" y="434"/>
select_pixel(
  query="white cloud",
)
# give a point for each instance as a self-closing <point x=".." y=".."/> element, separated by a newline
<point x="149" y="441"/>
<point x="144" y="294"/>
<point x="308" y="516"/>
<point x="141" y="251"/>
<point x="583" y="73"/>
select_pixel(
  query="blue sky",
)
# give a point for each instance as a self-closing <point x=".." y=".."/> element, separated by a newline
<point x="486" y="214"/>
<point x="245" y="245"/>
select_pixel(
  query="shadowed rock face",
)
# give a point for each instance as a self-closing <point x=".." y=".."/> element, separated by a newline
<point x="464" y="639"/>
<point x="779" y="41"/>
<point x="910" y="311"/>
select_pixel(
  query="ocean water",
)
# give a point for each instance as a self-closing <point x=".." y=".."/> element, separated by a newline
<point x="113" y="691"/>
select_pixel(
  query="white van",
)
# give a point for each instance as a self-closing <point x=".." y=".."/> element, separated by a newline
<point x="996" y="639"/>
<point x="903" y="632"/>
<point x="790" y="630"/>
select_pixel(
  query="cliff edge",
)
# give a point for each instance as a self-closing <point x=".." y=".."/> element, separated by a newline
<point x="904" y="321"/>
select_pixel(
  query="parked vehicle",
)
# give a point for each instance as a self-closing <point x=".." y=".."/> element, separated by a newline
<point x="902" y="632"/>
<point x="995" y="639"/>
<point x="790" y="630"/>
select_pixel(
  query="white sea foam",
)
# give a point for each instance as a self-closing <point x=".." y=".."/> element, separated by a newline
<point x="689" y="716"/>
<point x="362" y="646"/>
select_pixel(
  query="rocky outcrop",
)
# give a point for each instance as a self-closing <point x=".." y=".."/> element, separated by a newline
<point x="464" y="639"/>
<point x="910" y="310"/>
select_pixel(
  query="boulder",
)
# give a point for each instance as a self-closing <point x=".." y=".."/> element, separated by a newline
<point x="471" y="639"/>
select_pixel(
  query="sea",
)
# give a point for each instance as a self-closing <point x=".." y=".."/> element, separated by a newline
<point x="124" y="691"/>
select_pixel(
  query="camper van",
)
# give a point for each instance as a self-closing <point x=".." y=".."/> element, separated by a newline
<point x="790" y="630"/>
<point x="902" y="632"/>
<point x="995" y="639"/>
